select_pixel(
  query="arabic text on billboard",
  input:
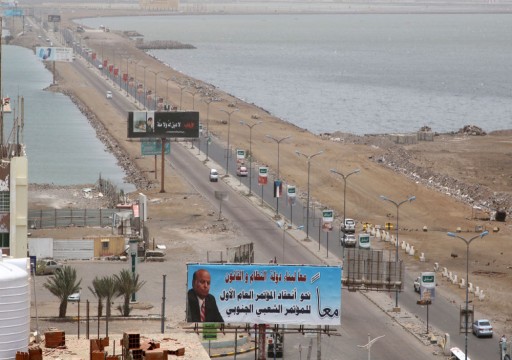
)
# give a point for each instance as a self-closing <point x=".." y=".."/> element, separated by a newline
<point x="55" y="54"/>
<point x="264" y="294"/>
<point x="174" y="124"/>
<point x="53" y="18"/>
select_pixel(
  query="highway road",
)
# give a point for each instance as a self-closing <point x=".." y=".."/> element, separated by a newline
<point x="360" y="317"/>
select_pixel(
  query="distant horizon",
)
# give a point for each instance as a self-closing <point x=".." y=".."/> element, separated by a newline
<point x="284" y="7"/>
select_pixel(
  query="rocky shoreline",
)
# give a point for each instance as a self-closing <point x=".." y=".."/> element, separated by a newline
<point x="394" y="156"/>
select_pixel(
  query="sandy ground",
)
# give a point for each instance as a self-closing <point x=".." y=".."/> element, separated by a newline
<point x="447" y="176"/>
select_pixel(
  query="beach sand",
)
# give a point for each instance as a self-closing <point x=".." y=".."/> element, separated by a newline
<point x="439" y="173"/>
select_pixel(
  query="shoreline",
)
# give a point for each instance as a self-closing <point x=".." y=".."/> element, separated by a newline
<point x="399" y="163"/>
<point x="381" y="174"/>
<point x="297" y="8"/>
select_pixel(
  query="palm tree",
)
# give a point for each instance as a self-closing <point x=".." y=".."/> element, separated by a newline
<point x="98" y="291"/>
<point x="62" y="284"/>
<point x="110" y="291"/>
<point x="127" y="284"/>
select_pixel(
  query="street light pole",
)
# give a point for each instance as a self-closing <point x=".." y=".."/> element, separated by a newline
<point x="181" y="93"/>
<point x="208" y="101"/>
<point x="250" y="151"/>
<point x="344" y="177"/>
<point x="167" y="91"/>
<point x="308" y="157"/>
<point x="193" y="93"/>
<point x="278" y="141"/>
<point x="468" y="242"/>
<point x="144" y="90"/>
<point x="368" y="346"/>
<point x="229" y="128"/>
<point x="156" y="76"/>
<point x="410" y="199"/>
<point x="127" y="77"/>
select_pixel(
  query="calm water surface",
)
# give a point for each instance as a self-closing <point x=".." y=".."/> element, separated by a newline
<point x="61" y="146"/>
<point x="359" y="73"/>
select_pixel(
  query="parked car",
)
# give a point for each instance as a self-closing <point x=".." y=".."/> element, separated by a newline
<point x="348" y="240"/>
<point x="349" y="226"/>
<point x="109" y="94"/>
<point x="417" y="284"/>
<point x="482" y="327"/>
<point x="214" y="175"/>
<point x="74" y="297"/>
<point x="49" y="267"/>
<point x="242" y="171"/>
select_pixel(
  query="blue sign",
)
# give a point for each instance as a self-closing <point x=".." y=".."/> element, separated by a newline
<point x="13" y="12"/>
<point x="154" y="147"/>
<point x="266" y="294"/>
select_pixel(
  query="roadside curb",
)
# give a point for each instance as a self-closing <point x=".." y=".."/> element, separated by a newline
<point x="232" y="353"/>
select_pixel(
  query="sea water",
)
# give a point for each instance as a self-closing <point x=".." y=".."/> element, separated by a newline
<point x="357" y="73"/>
<point x="62" y="147"/>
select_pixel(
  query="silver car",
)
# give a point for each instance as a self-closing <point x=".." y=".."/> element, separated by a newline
<point x="348" y="240"/>
<point x="51" y="266"/>
<point x="482" y="327"/>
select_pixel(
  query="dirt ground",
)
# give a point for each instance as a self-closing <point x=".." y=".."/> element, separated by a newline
<point x="448" y="176"/>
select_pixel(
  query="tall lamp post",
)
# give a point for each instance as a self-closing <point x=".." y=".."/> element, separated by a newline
<point x="344" y="177"/>
<point x="127" y="77"/>
<point x="308" y="158"/>
<point x="250" y="126"/>
<point x="193" y="93"/>
<point x="208" y="101"/>
<point x="368" y="346"/>
<point x="229" y="128"/>
<point x="167" y="91"/>
<point x="156" y="76"/>
<point x="144" y="90"/>
<point x="468" y="242"/>
<point x="278" y="141"/>
<point x="181" y="93"/>
<point x="410" y="199"/>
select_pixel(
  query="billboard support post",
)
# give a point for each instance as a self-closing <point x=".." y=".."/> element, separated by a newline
<point x="162" y="189"/>
<point x="156" y="169"/>
<point x="262" y="345"/>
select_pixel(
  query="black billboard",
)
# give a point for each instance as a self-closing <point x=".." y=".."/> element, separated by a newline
<point x="153" y="124"/>
<point x="53" y="18"/>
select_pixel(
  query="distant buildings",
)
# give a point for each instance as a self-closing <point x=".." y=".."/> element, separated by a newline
<point x="159" y="4"/>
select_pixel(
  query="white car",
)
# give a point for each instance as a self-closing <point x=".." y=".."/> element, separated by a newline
<point x="214" y="175"/>
<point x="109" y="94"/>
<point x="74" y="297"/>
<point x="482" y="327"/>
<point x="349" y="226"/>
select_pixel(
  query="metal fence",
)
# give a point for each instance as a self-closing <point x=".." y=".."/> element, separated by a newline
<point x="55" y="218"/>
<point x="372" y="270"/>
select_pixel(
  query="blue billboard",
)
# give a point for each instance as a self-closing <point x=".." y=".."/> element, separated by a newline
<point x="264" y="294"/>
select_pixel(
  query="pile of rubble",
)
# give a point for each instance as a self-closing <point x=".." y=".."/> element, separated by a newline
<point x="398" y="159"/>
<point x="471" y="130"/>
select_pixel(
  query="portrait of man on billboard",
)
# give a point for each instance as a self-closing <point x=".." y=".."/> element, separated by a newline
<point x="201" y="305"/>
<point x="141" y="121"/>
